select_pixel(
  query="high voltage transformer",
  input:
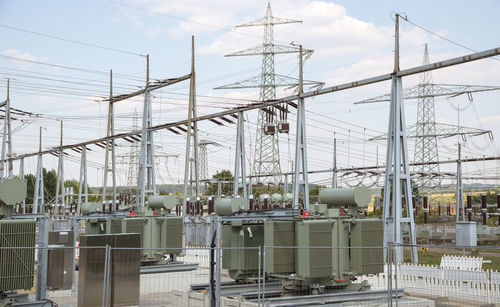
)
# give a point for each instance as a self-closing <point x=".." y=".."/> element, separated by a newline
<point x="324" y="248"/>
<point x="17" y="259"/>
<point x="160" y="233"/>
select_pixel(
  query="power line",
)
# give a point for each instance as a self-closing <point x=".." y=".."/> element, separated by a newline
<point x="440" y="36"/>
<point x="86" y="70"/>
<point x="71" y="40"/>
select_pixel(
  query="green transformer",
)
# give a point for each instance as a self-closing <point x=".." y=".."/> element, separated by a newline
<point x="159" y="235"/>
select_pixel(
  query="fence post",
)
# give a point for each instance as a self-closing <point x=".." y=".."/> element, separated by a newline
<point x="218" y="261"/>
<point x="258" y="279"/>
<point x="489" y="285"/>
<point x="42" y="259"/>
<point x="264" y="276"/>
<point x="106" y="286"/>
<point x="389" y="274"/>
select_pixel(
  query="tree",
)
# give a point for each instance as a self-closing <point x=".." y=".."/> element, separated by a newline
<point x="49" y="183"/>
<point x="223" y="175"/>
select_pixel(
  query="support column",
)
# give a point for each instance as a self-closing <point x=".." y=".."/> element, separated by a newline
<point x="146" y="183"/>
<point x="334" y="173"/>
<point x="192" y="132"/>
<point x="83" y="184"/>
<point x="397" y="174"/>
<point x="21" y="175"/>
<point x="38" y="198"/>
<point x="60" y="178"/>
<point x="110" y="145"/>
<point x="6" y="138"/>
<point x="460" y="210"/>
<point x="301" y="146"/>
<point x="239" y="161"/>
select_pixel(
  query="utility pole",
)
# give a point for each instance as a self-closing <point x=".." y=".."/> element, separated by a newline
<point x="397" y="173"/>
<point x="334" y="173"/>
<point x="110" y="130"/>
<point x="146" y="183"/>
<point x="192" y="132"/>
<point x="301" y="145"/>
<point x="60" y="177"/>
<point x="83" y="183"/>
<point x="460" y="189"/>
<point x="38" y="198"/>
<point x="239" y="161"/>
<point x="6" y="137"/>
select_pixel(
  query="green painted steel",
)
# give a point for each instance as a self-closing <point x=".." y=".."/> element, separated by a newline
<point x="229" y="206"/>
<point x="12" y="191"/>
<point x="358" y="196"/>
<point x="278" y="234"/>
<point x="158" y="235"/>
<point x="166" y="202"/>
<point x="313" y="263"/>
<point x="241" y="263"/>
<point x="17" y="265"/>
<point x="367" y="233"/>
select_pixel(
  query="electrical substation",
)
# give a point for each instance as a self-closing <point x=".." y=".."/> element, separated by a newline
<point x="261" y="231"/>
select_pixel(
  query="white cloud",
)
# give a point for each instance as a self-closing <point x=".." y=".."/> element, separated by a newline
<point x="23" y="56"/>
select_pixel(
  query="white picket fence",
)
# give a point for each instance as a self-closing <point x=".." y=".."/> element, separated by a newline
<point x="469" y="285"/>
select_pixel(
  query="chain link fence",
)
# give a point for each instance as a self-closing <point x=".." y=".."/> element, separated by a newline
<point x="267" y="276"/>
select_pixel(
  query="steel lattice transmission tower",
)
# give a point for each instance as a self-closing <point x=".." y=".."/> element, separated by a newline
<point x="203" y="157"/>
<point x="133" y="156"/>
<point x="426" y="147"/>
<point x="266" y="154"/>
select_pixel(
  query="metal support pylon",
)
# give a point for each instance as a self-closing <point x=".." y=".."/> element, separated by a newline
<point x="239" y="161"/>
<point x="460" y="189"/>
<point x="192" y="132"/>
<point x="21" y="175"/>
<point x="301" y="147"/>
<point x="38" y="197"/>
<point x="83" y="183"/>
<point x="397" y="172"/>
<point x="334" y="173"/>
<point x="146" y="183"/>
<point x="6" y="137"/>
<point x="60" y="191"/>
<point x="110" y="146"/>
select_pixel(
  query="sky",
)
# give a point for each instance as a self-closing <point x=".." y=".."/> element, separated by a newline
<point x="352" y="40"/>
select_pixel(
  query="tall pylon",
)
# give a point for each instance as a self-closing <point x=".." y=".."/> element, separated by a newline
<point x="266" y="159"/>
<point x="6" y="138"/>
<point x="38" y="197"/>
<point x="426" y="149"/>
<point x="203" y="155"/>
<point x="397" y="170"/>
<point x="146" y="183"/>
<point x="191" y="166"/>
<point x="110" y="146"/>
<point x="133" y="156"/>
<point x="60" y="191"/>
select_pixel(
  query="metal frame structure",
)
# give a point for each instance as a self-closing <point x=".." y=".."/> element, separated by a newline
<point x="239" y="160"/>
<point x="6" y="137"/>
<point x="397" y="169"/>
<point x="146" y="183"/>
<point x="460" y="188"/>
<point x="38" y="198"/>
<point x="266" y="154"/>
<point x="110" y="146"/>
<point x="83" y="183"/>
<point x="192" y="132"/>
<point x="301" y="145"/>
<point x="60" y="178"/>
<point x="203" y="157"/>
